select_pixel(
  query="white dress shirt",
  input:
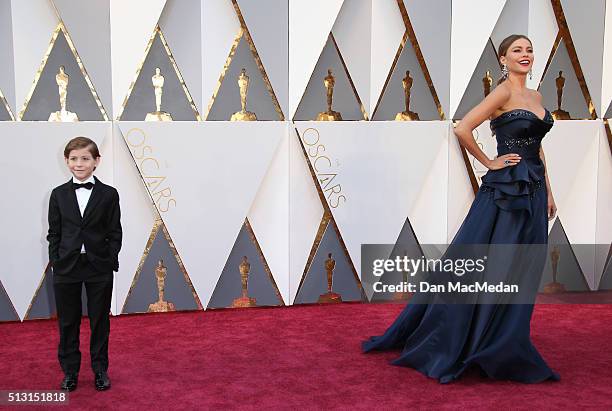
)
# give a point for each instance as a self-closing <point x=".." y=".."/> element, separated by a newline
<point x="82" y="195"/>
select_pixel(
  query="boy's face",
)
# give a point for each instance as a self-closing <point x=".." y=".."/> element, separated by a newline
<point x="81" y="163"/>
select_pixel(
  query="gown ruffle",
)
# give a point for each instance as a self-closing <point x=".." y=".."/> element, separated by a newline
<point x="443" y="340"/>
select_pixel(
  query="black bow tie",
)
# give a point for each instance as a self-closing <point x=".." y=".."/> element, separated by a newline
<point x="87" y="186"/>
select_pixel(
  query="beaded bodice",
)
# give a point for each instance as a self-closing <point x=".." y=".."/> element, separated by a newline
<point x="520" y="131"/>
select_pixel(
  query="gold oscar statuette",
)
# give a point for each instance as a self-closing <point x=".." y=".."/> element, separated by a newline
<point x="243" y="86"/>
<point x="407" y="115"/>
<point x="330" y="115"/>
<point x="554" y="287"/>
<point x="161" y="306"/>
<point x="62" y="78"/>
<point x="330" y="296"/>
<point x="244" y="300"/>
<point x="487" y="83"/>
<point x="158" y="86"/>
<point x="560" y="114"/>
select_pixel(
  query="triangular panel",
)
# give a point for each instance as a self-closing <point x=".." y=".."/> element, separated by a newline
<point x="161" y="283"/>
<point x="5" y="110"/>
<point x="42" y="305"/>
<point x="245" y="259"/>
<point x="330" y="255"/>
<point x="606" y="278"/>
<point x="474" y="92"/>
<point x="345" y="98"/>
<point x="44" y="97"/>
<point x="89" y="26"/>
<point x="471" y="29"/>
<point x="260" y="97"/>
<point x="175" y="98"/>
<point x="392" y="99"/>
<point x="7" y="310"/>
<point x="269" y="33"/>
<point x="585" y="22"/>
<point x="303" y="16"/>
<point x="406" y="245"/>
<point x="572" y="98"/>
<point x="436" y="50"/>
<point x="567" y="275"/>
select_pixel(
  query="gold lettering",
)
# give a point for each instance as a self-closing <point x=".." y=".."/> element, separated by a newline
<point x="170" y="201"/>
<point x="128" y="137"/>
<point x="306" y="133"/>
<point x="341" y="197"/>
<point x="314" y="163"/>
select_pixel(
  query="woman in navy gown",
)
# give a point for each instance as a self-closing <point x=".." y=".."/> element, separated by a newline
<point x="512" y="206"/>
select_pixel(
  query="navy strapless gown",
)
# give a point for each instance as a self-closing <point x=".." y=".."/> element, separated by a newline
<point x="443" y="340"/>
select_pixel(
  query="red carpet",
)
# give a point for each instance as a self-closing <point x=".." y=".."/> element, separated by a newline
<point x="302" y="356"/>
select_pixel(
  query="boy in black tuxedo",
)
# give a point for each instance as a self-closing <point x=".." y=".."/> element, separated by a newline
<point x="84" y="242"/>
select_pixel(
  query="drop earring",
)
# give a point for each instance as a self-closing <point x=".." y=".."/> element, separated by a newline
<point x="504" y="71"/>
<point x="530" y="75"/>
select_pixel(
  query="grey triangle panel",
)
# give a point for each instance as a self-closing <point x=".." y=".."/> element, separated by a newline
<point x="568" y="270"/>
<point x="4" y="113"/>
<point x="229" y="285"/>
<point x="406" y="245"/>
<point x="7" y="310"/>
<point x="606" y="279"/>
<point x="572" y="99"/>
<point x="144" y="292"/>
<point x="314" y="99"/>
<point x="393" y="100"/>
<point x="43" y="302"/>
<point x="45" y="98"/>
<point x="315" y="280"/>
<point x="474" y="92"/>
<point x="142" y="97"/>
<point x="259" y="100"/>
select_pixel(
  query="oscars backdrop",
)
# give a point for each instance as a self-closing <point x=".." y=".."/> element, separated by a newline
<point x="256" y="144"/>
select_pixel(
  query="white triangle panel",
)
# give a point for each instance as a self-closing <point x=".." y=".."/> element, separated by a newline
<point x="33" y="25"/>
<point x="220" y="27"/>
<point x="269" y="31"/>
<point x="88" y="24"/>
<point x="460" y="191"/>
<point x="603" y="230"/>
<point x="387" y="171"/>
<point x="352" y="31"/>
<point x="514" y="19"/>
<point x="542" y="32"/>
<point x="571" y="150"/>
<point x="269" y="216"/>
<point x="7" y="70"/>
<point x="204" y="180"/>
<point x="132" y="25"/>
<point x="606" y="81"/>
<point x="387" y="31"/>
<point x="425" y="16"/>
<point x="310" y="22"/>
<point x="181" y="24"/>
<point x="137" y="215"/>
<point x="472" y="24"/>
<point x="26" y="217"/>
<point x="305" y="211"/>
<point x="585" y="20"/>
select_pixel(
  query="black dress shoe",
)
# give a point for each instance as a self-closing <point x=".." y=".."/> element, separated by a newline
<point x="69" y="383"/>
<point x="102" y="382"/>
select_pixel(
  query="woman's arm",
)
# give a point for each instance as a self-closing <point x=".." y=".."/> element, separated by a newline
<point x="464" y="129"/>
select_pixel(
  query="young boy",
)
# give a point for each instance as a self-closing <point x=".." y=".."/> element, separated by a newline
<point x="84" y="242"/>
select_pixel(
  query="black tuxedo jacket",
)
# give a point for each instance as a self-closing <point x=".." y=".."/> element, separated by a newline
<point x="99" y="228"/>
